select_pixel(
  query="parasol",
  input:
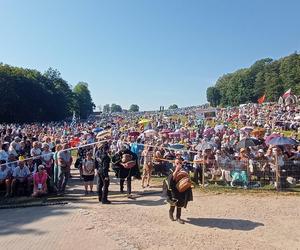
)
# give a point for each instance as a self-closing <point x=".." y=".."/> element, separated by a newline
<point x="270" y="137"/>
<point x="283" y="141"/>
<point x="97" y="130"/>
<point x="177" y="146"/>
<point x="144" y="121"/>
<point x="248" y="142"/>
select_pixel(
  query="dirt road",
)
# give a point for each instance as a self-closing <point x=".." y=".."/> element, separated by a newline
<point x="212" y="222"/>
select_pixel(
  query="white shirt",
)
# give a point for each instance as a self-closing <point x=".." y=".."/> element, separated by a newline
<point x="47" y="155"/>
<point x="196" y="158"/>
<point x="3" y="155"/>
<point x="4" y="173"/>
<point x="35" y="152"/>
<point x="24" y="172"/>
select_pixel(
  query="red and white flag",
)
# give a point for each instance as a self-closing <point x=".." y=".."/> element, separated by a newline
<point x="262" y="99"/>
<point x="287" y="94"/>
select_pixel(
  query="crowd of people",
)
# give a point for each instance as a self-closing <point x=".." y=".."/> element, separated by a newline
<point x="249" y="146"/>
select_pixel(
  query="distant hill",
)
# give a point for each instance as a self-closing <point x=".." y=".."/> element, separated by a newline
<point x="266" y="76"/>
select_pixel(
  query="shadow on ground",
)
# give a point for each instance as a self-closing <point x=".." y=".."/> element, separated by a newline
<point x="14" y="221"/>
<point x="229" y="224"/>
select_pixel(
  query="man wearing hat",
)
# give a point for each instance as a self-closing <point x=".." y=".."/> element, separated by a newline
<point x="20" y="176"/>
<point x="174" y="197"/>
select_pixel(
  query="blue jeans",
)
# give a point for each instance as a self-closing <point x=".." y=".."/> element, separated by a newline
<point x="63" y="177"/>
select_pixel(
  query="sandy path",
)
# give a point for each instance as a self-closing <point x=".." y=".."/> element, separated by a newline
<point x="212" y="222"/>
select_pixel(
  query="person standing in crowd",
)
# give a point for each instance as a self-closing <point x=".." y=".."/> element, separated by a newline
<point x="5" y="177"/>
<point x="88" y="172"/>
<point x="197" y="165"/>
<point x="40" y="182"/>
<point x="56" y="164"/>
<point x="47" y="159"/>
<point x="36" y="152"/>
<point x="103" y="161"/>
<point x="148" y="165"/>
<point x="64" y="164"/>
<point x="4" y="151"/>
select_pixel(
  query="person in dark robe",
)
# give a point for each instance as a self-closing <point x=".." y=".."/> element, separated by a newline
<point x="102" y="164"/>
<point x="175" y="198"/>
<point x="125" y="173"/>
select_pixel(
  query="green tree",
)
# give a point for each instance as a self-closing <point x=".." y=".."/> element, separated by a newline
<point x="83" y="100"/>
<point x="213" y="96"/>
<point x="173" y="106"/>
<point x="115" y="108"/>
<point x="265" y="76"/>
<point x="106" y="108"/>
<point x="30" y="96"/>
<point x="134" y="108"/>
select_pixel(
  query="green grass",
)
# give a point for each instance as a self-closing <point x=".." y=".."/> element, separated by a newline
<point x="218" y="187"/>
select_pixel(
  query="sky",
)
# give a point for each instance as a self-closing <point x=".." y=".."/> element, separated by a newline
<point x="147" y="52"/>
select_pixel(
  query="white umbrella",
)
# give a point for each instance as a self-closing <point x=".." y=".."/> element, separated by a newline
<point x="149" y="132"/>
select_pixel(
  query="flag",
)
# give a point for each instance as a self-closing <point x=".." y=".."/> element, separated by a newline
<point x="262" y="99"/>
<point x="73" y="123"/>
<point x="287" y="94"/>
<point x="233" y="117"/>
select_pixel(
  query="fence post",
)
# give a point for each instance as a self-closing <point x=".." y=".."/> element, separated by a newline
<point x="203" y="171"/>
<point x="277" y="173"/>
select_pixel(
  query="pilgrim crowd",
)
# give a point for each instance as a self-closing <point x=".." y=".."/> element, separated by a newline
<point x="248" y="146"/>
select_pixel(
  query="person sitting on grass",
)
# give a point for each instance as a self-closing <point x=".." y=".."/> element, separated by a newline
<point x="5" y="177"/>
<point x="88" y="172"/>
<point x="40" y="182"/>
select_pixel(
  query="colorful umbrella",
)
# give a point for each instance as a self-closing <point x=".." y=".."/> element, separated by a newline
<point x="247" y="128"/>
<point x="177" y="146"/>
<point x="97" y="130"/>
<point x="149" y="132"/>
<point x="283" y="141"/>
<point x="219" y="127"/>
<point x="144" y="121"/>
<point x="270" y="137"/>
<point x="205" y="146"/>
<point x="248" y="142"/>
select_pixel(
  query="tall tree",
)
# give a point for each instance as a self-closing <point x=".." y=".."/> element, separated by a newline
<point x="115" y="108"/>
<point x="173" y="106"/>
<point x="106" y="108"/>
<point x="213" y="96"/>
<point x="83" y="100"/>
<point x="134" y="108"/>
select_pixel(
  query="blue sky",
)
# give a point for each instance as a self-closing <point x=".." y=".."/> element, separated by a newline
<point x="151" y="53"/>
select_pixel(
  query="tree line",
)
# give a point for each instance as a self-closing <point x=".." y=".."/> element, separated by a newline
<point x="265" y="77"/>
<point x="115" y="108"/>
<point x="28" y="95"/>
